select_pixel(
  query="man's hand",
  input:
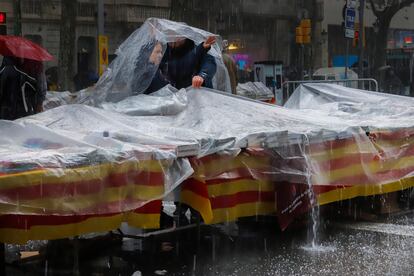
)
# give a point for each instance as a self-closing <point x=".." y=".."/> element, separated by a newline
<point x="197" y="81"/>
<point x="39" y="108"/>
<point x="209" y="41"/>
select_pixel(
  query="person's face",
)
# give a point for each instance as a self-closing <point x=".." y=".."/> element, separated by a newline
<point x="156" y="55"/>
<point x="177" y="43"/>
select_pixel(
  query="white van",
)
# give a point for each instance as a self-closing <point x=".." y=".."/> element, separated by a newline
<point x="336" y="73"/>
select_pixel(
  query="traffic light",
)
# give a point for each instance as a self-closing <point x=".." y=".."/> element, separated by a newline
<point x="357" y="35"/>
<point x="3" y="21"/>
<point x="303" y="32"/>
<point x="299" y="35"/>
<point x="356" y="38"/>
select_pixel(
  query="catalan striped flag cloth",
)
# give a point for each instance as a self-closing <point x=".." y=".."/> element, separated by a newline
<point x="254" y="182"/>
<point x="225" y="188"/>
<point x="56" y="203"/>
<point x="380" y="163"/>
<point x="383" y="163"/>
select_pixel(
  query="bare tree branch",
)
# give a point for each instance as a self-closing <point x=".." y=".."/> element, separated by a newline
<point x="384" y="12"/>
<point x="406" y="3"/>
<point x="374" y="9"/>
<point x="398" y="5"/>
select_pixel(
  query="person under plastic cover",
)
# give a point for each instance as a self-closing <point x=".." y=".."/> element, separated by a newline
<point x="154" y="50"/>
<point x="183" y="64"/>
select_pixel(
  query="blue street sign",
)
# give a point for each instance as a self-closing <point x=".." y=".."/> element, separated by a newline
<point x="350" y="18"/>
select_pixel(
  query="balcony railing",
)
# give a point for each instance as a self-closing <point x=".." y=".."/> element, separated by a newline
<point x="140" y="13"/>
<point x="86" y="10"/>
<point x="31" y="8"/>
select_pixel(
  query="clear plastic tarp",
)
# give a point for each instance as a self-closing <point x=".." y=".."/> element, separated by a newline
<point x="113" y="149"/>
<point x="353" y="106"/>
<point x="80" y="136"/>
<point x="73" y="170"/>
<point x="133" y="69"/>
<point x="384" y="155"/>
<point x="254" y="90"/>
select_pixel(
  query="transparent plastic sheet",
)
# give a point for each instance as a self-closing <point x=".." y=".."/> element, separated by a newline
<point x="166" y="101"/>
<point x="310" y="156"/>
<point x="305" y="151"/>
<point x="210" y="123"/>
<point x="54" y="99"/>
<point x="330" y="143"/>
<point x="254" y="90"/>
<point x="131" y="72"/>
<point x="47" y="172"/>
<point x="329" y="139"/>
<point x="354" y="106"/>
<point x="376" y="159"/>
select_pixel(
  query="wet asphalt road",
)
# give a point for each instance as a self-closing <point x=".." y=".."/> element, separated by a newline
<point x="379" y="248"/>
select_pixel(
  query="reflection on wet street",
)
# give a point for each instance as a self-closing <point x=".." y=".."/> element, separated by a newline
<point x="249" y="247"/>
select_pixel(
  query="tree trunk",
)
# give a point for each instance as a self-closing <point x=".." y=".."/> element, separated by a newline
<point x="67" y="44"/>
<point x="381" y="44"/>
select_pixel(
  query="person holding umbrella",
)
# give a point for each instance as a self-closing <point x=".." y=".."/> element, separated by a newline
<point x="22" y="79"/>
<point x="22" y="88"/>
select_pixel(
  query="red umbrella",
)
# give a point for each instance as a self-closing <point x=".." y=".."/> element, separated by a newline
<point x="17" y="46"/>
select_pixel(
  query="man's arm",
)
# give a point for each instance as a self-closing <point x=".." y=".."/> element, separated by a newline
<point x="208" y="65"/>
<point x="203" y="48"/>
<point x="207" y="70"/>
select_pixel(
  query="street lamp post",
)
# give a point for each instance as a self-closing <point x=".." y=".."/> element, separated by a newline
<point x="101" y="16"/>
<point x="361" y="38"/>
<point x="17" y="18"/>
<point x="102" y="38"/>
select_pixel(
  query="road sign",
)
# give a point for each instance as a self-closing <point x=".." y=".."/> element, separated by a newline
<point x="350" y="22"/>
<point x="349" y="33"/>
<point x="350" y="18"/>
<point x="103" y="53"/>
<point x="351" y="4"/>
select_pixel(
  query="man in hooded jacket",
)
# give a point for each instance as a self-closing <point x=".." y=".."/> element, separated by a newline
<point x="185" y="64"/>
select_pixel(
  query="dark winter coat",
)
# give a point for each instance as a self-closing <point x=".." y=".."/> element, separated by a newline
<point x="181" y="64"/>
<point x="20" y="94"/>
<point x="159" y="80"/>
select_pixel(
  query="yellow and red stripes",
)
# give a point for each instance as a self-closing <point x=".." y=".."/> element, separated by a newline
<point x="91" y="189"/>
<point x="21" y="228"/>
<point x="346" y="171"/>
<point x="50" y="204"/>
<point x="223" y="189"/>
<point x="232" y="199"/>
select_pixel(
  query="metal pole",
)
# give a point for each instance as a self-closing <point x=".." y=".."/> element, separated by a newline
<point x="412" y="68"/>
<point x="412" y="74"/>
<point x="101" y="32"/>
<point x="346" y="58"/>
<point x="76" y="256"/>
<point x="302" y="63"/>
<point x="17" y="18"/>
<point x="101" y="16"/>
<point x="2" y="259"/>
<point x="361" y="38"/>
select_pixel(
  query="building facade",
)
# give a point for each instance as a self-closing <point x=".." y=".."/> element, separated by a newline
<point x="256" y="29"/>
<point x="400" y="35"/>
<point x="40" y="21"/>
